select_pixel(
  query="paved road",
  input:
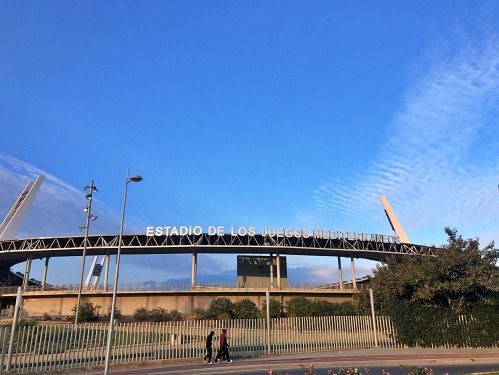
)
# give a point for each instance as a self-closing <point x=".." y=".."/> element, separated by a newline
<point x="451" y="361"/>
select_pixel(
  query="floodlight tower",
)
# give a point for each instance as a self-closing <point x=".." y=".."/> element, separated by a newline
<point x="89" y="217"/>
<point x="393" y="220"/>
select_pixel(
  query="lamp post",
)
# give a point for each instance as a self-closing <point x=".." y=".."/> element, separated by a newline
<point x="91" y="189"/>
<point x="116" y="274"/>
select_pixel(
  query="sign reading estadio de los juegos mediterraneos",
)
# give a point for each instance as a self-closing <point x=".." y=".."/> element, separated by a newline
<point x="213" y="230"/>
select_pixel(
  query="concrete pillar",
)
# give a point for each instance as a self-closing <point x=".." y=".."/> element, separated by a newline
<point x="340" y="274"/>
<point x="26" y="273"/>
<point x="106" y="272"/>
<point x="354" y="283"/>
<point x="278" y="260"/>
<point x="194" y="269"/>
<point x="271" y="271"/>
<point x="45" y="271"/>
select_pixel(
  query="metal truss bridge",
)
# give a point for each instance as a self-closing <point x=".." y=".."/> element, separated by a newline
<point x="349" y="244"/>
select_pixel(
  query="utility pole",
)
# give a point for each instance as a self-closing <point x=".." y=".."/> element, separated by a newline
<point x="89" y="217"/>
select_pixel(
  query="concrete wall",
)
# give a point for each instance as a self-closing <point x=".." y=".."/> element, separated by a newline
<point x="183" y="302"/>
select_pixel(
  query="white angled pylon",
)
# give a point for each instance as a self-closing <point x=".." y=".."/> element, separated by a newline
<point x="15" y="217"/>
<point x="393" y="220"/>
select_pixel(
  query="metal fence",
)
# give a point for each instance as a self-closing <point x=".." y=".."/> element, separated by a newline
<point x="49" y="347"/>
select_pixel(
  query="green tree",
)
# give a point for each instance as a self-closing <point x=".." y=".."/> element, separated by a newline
<point x="426" y="295"/>
<point x="117" y="313"/>
<point x="159" y="314"/>
<point x="276" y="309"/>
<point x="245" y="309"/>
<point x="459" y="276"/>
<point x="141" y="315"/>
<point x="300" y="306"/>
<point x="175" y="316"/>
<point x="199" y="314"/>
<point x="220" y="308"/>
<point x="88" y="312"/>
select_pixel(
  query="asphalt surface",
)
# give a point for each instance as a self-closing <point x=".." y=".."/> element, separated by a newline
<point x="395" y="361"/>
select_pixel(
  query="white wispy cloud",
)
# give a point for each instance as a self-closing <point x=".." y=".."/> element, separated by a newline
<point x="58" y="211"/>
<point x="58" y="207"/>
<point x="439" y="165"/>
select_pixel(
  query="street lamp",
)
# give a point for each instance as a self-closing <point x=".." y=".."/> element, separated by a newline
<point x="89" y="196"/>
<point x="117" y="273"/>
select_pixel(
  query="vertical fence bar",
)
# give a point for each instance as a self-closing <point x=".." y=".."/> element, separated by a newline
<point x="346" y="338"/>
<point x="331" y="332"/>
<point x="136" y="342"/>
<point x="357" y="332"/>
<point x="4" y="347"/>
<point x="306" y="336"/>
<point x="314" y="333"/>
<point x="24" y="333"/>
<point x="49" y="347"/>
<point x="297" y="333"/>
<point x="128" y="343"/>
<point x="365" y="338"/>
<point x="17" y="307"/>
<point x="285" y="329"/>
<point x="91" y="349"/>
<point x="42" y="344"/>
<point x="58" y="348"/>
<point x="63" y="347"/>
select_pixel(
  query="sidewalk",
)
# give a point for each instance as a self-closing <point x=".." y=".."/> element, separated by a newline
<point x="336" y="359"/>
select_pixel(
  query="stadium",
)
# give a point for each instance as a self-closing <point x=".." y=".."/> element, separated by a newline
<point x="256" y="273"/>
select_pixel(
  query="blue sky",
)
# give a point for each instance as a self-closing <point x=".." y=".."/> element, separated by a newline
<point x="266" y="113"/>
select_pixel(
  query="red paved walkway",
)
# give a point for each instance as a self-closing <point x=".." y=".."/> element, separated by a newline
<point x="334" y="359"/>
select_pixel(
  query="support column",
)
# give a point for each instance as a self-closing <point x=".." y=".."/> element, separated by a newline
<point x="106" y="272"/>
<point x="26" y="273"/>
<point x="340" y="274"/>
<point x="271" y="271"/>
<point x="267" y="303"/>
<point x="194" y="269"/>
<point x="278" y="260"/>
<point x="354" y="282"/>
<point x="45" y="271"/>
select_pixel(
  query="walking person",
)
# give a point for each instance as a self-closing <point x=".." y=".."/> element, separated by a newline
<point x="209" y="348"/>
<point x="224" y="347"/>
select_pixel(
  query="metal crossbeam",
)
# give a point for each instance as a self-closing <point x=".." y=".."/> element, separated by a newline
<point x="373" y="247"/>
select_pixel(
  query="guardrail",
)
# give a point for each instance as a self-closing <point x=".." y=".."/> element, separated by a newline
<point x="53" y="347"/>
<point x="151" y="287"/>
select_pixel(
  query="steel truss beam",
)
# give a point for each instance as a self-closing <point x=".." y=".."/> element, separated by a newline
<point x="374" y="247"/>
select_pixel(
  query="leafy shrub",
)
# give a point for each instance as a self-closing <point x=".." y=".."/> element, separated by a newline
<point x="245" y="309"/>
<point x="199" y="314"/>
<point x="54" y="318"/>
<point x="276" y="309"/>
<point x="159" y="314"/>
<point x="88" y="312"/>
<point x="141" y="315"/>
<point x="117" y="313"/>
<point x="221" y="308"/>
<point x="300" y="306"/>
<point x="27" y="323"/>
<point x="175" y="316"/>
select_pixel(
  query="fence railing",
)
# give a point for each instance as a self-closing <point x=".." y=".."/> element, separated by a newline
<point x="49" y="347"/>
<point x="52" y="347"/>
<point x="131" y="287"/>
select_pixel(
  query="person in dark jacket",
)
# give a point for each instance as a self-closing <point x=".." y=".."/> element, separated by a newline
<point x="209" y="348"/>
<point x="224" y="347"/>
